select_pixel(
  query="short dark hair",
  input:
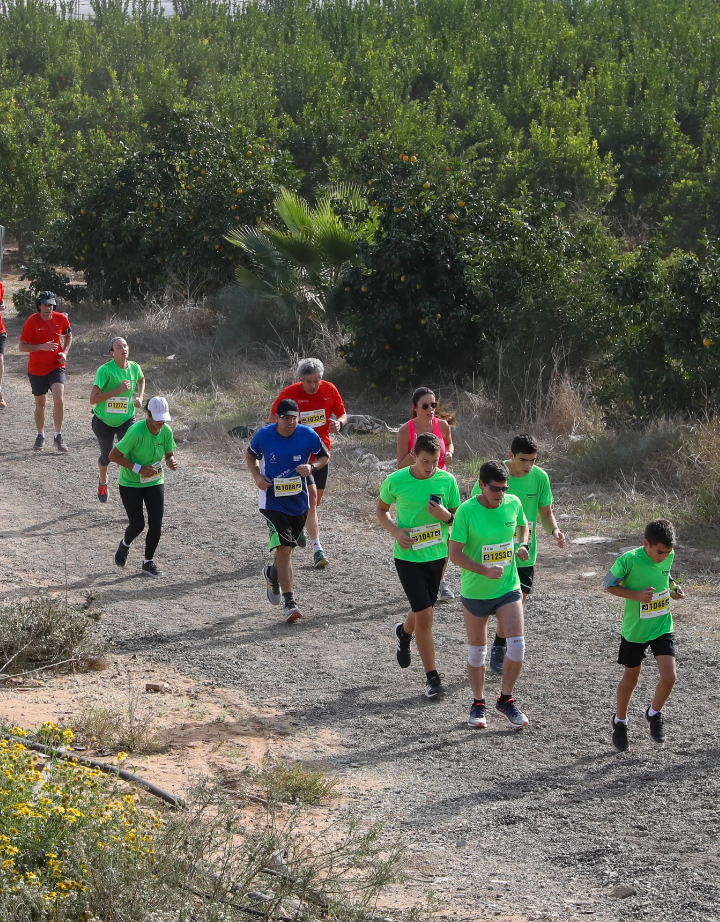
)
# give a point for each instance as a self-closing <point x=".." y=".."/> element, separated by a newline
<point x="660" y="531"/>
<point x="525" y="444"/>
<point x="429" y="442"/>
<point x="493" y="470"/>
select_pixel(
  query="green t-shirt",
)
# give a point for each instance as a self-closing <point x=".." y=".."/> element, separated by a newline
<point x="533" y="491"/>
<point x="119" y="409"/>
<point x="411" y="496"/>
<point x="488" y="538"/>
<point x="634" y="570"/>
<point x="140" y="446"/>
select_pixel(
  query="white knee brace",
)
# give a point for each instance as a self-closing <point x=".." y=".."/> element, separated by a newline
<point x="516" y="649"/>
<point x="476" y="655"/>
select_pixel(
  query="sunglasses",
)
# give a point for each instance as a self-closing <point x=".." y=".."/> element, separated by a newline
<point x="427" y="406"/>
<point x="495" y="489"/>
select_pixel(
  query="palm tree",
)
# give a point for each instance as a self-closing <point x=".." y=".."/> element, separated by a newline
<point x="299" y="265"/>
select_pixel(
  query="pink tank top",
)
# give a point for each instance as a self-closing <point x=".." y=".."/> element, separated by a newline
<point x="412" y="435"/>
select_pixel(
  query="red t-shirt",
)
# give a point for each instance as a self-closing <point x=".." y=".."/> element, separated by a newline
<point x="2" y="298"/>
<point x="37" y="331"/>
<point x="315" y="409"/>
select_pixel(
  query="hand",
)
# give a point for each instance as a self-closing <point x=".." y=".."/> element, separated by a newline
<point x="263" y="482"/>
<point x="402" y="536"/>
<point x="48" y="347"/>
<point x="448" y="457"/>
<point x="334" y="425"/>
<point x="124" y="386"/>
<point x="645" y="595"/>
<point x="438" y="511"/>
<point x="148" y="470"/>
<point x="523" y="554"/>
<point x="494" y="571"/>
<point x="61" y="356"/>
<point x="561" y="539"/>
<point x="137" y="403"/>
<point x="677" y="593"/>
<point x="305" y="470"/>
<point x="171" y="463"/>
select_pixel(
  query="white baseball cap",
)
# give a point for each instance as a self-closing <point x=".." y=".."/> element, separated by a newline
<point x="159" y="409"/>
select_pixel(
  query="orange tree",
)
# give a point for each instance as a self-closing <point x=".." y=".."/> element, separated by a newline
<point x="157" y="215"/>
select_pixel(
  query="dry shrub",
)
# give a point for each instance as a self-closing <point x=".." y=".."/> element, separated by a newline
<point x="132" y="724"/>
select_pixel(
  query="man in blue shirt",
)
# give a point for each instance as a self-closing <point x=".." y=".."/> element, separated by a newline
<point x="278" y="459"/>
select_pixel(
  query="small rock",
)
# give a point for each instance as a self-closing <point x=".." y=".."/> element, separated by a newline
<point x="156" y="687"/>
<point x="588" y="574"/>
<point x="622" y="892"/>
<point x="260" y="896"/>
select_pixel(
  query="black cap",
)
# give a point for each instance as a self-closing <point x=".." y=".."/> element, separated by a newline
<point x="288" y="407"/>
<point x="46" y="297"/>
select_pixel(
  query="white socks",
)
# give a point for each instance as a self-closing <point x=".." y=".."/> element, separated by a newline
<point x="316" y="544"/>
<point x="652" y="712"/>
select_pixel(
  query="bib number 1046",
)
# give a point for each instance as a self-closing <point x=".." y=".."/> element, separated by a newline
<point x="659" y="605"/>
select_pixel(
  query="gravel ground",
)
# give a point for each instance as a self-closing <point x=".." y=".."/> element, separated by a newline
<point x="541" y="824"/>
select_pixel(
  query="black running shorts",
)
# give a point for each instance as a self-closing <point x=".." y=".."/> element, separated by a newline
<point x="482" y="608"/>
<point x="320" y="478"/>
<point x="632" y="654"/>
<point x="41" y="384"/>
<point x="420" y="581"/>
<point x="3" y="340"/>
<point x="288" y="527"/>
<point x="527" y="577"/>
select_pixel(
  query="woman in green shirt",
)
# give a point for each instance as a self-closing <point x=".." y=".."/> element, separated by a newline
<point x="113" y="399"/>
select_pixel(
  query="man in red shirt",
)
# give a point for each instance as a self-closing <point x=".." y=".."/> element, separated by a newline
<point x="318" y="401"/>
<point x="3" y="339"/>
<point x="46" y="336"/>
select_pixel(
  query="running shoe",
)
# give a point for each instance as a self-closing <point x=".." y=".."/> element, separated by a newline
<point x="512" y="713"/>
<point x="320" y="561"/>
<point x="402" y="654"/>
<point x="121" y="554"/>
<point x="2" y="402"/>
<point x="434" y="687"/>
<point x="656" y="725"/>
<point x="445" y="594"/>
<point x="60" y="443"/>
<point x="273" y="587"/>
<point x="39" y="442"/>
<point x="150" y="568"/>
<point x="102" y="492"/>
<point x="292" y="612"/>
<point x="619" y="735"/>
<point x="302" y="539"/>
<point x="478" y="717"/>
<point x="497" y="658"/>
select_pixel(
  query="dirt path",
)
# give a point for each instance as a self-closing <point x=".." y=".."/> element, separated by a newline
<point x="538" y="825"/>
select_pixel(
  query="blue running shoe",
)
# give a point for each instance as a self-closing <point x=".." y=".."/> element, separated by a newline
<point x="478" y="717"/>
<point x="512" y="713"/>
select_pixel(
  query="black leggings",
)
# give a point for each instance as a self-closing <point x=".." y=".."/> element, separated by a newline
<point x="154" y="499"/>
<point x="106" y="435"/>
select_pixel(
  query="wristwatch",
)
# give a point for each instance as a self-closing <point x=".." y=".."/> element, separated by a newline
<point x="526" y="546"/>
<point x="313" y="468"/>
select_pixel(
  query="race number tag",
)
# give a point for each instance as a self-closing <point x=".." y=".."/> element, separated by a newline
<point x="118" y="405"/>
<point x="153" y="478"/>
<point x="313" y="418"/>
<point x="531" y="526"/>
<point x="426" y="535"/>
<point x="500" y="555"/>
<point x="660" y="605"/>
<point x="287" y="486"/>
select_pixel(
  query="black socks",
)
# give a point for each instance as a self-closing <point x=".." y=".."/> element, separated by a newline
<point x="273" y="574"/>
<point x="433" y="674"/>
<point x="289" y="597"/>
<point x="504" y="698"/>
<point x="499" y="641"/>
<point x="404" y="634"/>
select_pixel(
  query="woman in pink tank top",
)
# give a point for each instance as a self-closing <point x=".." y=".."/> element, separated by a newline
<point x="424" y="420"/>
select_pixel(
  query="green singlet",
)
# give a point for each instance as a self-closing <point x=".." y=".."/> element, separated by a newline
<point x="643" y="622"/>
<point x="488" y="538"/>
<point x="533" y="491"/>
<point x="140" y="446"/>
<point x="119" y="409"/>
<point x="411" y="496"/>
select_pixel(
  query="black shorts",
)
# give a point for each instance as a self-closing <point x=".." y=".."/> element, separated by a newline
<point x="483" y="608"/>
<point x="527" y="576"/>
<point x="319" y="478"/>
<point x="288" y="527"/>
<point x="3" y="340"/>
<point x="632" y="654"/>
<point x="420" y="581"/>
<point x="106" y="436"/>
<point x="41" y="384"/>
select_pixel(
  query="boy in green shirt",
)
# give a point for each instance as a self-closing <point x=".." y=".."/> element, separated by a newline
<point x="642" y="577"/>
<point x="425" y="501"/>
<point x="531" y="485"/>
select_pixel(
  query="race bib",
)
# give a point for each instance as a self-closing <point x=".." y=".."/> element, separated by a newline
<point x="313" y="418"/>
<point x="118" y="405"/>
<point x="498" y="554"/>
<point x="531" y="526"/>
<point x="660" y="605"/>
<point x="426" y="535"/>
<point x="152" y="478"/>
<point x="287" y="486"/>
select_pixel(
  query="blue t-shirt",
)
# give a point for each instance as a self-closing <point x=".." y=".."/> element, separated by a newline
<point x="279" y="455"/>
